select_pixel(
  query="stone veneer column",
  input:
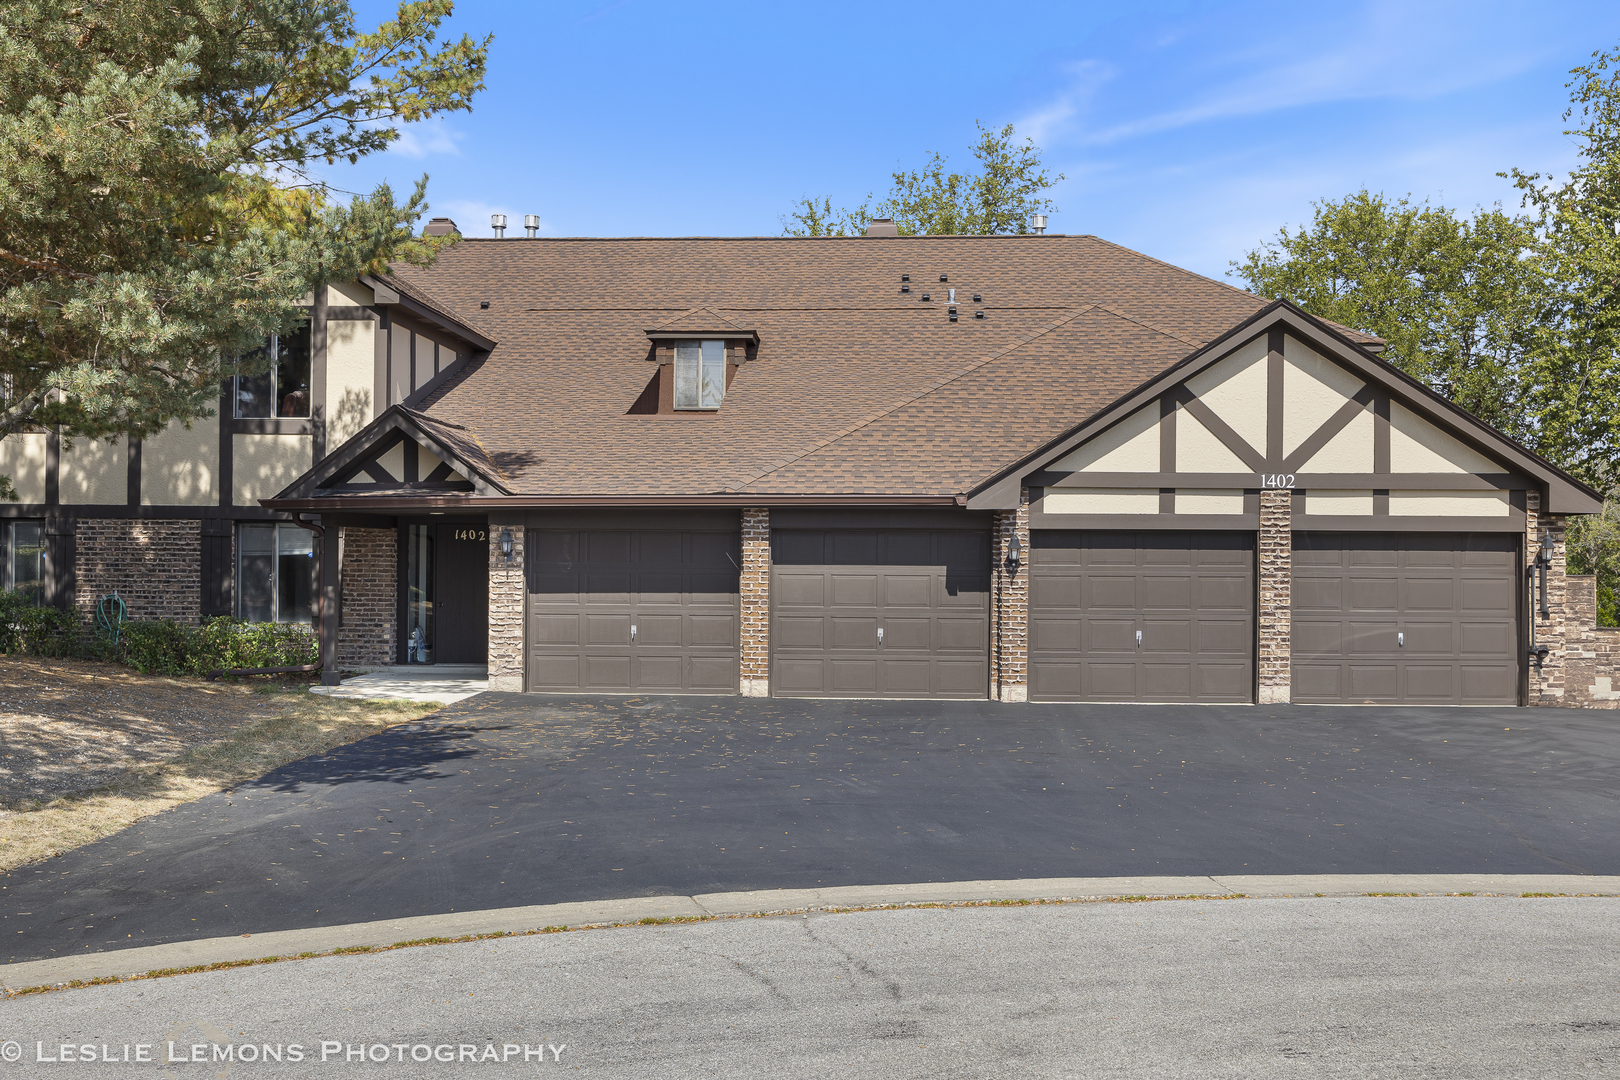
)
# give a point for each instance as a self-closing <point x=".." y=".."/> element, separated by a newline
<point x="370" y="606"/>
<point x="755" y="679"/>
<point x="1549" y="679"/>
<point x="506" y="586"/>
<point x="1009" y="615"/>
<point x="154" y="564"/>
<point x="1276" y="541"/>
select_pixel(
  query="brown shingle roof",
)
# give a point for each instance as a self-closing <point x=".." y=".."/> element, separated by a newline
<point x="853" y="388"/>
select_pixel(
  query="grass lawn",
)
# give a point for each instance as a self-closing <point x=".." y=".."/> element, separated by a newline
<point x="87" y="749"/>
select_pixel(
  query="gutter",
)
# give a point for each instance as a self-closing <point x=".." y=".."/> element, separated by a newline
<point x="380" y="503"/>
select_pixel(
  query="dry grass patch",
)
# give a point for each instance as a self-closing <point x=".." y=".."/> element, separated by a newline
<point x="141" y="745"/>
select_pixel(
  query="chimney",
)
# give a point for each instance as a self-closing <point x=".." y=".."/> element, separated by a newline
<point x="882" y="226"/>
<point x="441" y="226"/>
<point x="531" y="225"/>
<point x="497" y="222"/>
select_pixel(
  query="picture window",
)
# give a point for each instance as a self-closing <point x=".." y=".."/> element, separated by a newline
<point x="275" y="574"/>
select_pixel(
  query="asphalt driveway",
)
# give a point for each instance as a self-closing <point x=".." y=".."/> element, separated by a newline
<point x="508" y="799"/>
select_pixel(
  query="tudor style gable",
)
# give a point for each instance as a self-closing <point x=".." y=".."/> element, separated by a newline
<point x="404" y="453"/>
<point x="1284" y="404"/>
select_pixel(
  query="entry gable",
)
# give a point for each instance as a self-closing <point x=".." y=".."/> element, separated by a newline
<point x="403" y="452"/>
<point x="1283" y="402"/>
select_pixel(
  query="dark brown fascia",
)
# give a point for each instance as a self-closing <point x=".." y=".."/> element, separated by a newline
<point x="386" y="296"/>
<point x="1565" y="494"/>
<point x="359" y="503"/>
<point x="731" y="334"/>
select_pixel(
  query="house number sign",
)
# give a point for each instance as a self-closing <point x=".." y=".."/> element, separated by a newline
<point x="470" y="534"/>
<point x="1277" y="481"/>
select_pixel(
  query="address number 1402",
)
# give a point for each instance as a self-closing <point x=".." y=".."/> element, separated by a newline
<point x="1275" y="481"/>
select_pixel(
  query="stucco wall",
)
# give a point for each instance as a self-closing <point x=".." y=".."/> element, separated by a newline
<point x="181" y="467"/>
<point x="94" y="472"/>
<point x="261" y="465"/>
<point x="22" y="457"/>
<point x="351" y="363"/>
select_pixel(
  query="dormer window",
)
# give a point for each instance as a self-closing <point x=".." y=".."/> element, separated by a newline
<point x="700" y="374"/>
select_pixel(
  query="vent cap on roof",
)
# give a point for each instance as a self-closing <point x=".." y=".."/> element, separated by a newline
<point x="882" y="226"/>
<point x="441" y="226"/>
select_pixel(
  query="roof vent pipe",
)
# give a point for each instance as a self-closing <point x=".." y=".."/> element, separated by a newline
<point x="531" y="224"/>
<point x="497" y="222"/>
<point x="1037" y="224"/>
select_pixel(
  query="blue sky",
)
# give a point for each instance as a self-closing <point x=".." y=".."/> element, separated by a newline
<point x="1188" y="130"/>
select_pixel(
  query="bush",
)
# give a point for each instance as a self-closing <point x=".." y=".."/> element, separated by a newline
<point x="169" y="648"/>
<point x="37" y="631"/>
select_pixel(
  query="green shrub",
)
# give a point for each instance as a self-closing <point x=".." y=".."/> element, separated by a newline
<point x="169" y="648"/>
<point x="38" y="631"/>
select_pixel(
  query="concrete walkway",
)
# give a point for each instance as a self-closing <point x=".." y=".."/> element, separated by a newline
<point x="58" y="971"/>
<point x="446" y="684"/>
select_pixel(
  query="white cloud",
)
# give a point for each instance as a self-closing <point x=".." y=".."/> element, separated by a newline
<point x="429" y="137"/>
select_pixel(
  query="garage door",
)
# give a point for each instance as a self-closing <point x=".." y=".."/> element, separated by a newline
<point x="629" y="611"/>
<point x="1141" y="616"/>
<point x="1406" y="617"/>
<point x="880" y="613"/>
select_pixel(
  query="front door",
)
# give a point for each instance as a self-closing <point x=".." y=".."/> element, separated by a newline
<point x="461" y="595"/>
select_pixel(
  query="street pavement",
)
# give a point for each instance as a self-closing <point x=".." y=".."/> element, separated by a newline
<point x="507" y="800"/>
<point x="1354" y="987"/>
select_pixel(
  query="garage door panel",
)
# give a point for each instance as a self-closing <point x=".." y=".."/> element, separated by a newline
<point x="1317" y="594"/>
<point x="853" y="632"/>
<point x="928" y="590"/>
<point x="607" y="629"/>
<point x="914" y="634"/>
<point x="854" y="590"/>
<point x="1168" y="593"/>
<point x="588" y="588"/>
<point x="1432" y="638"/>
<point x="656" y="630"/>
<point x="1362" y="593"/>
<point x="607" y="589"/>
<point x="1455" y="602"/>
<point x="606" y="547"/>
<point x="797" y="590"/>
<point x="711" y="631"/>
<point x="1110" y="592"/>
<point x="906" y="590"/>
<point x="1191" y="596"/>
<point x="1430" y="594"/>
<point x="1109" y="635"/>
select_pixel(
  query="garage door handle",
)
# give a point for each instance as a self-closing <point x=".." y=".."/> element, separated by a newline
<point x="1400" y="638"/>
<point x="632" y="631"/>
<point x="880" y="635"/>
<point x="1139" y="639"/>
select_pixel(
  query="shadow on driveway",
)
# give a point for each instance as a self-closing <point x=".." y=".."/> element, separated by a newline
<point x="508" y="799"/>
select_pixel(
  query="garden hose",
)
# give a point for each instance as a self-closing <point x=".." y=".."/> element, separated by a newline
<point x="111" y="614"/>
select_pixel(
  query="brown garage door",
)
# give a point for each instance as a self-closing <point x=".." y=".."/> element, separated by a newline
<point x="880" y="613"/>
<point x="1141" y="616"/>
<point x="630" y="611"/>
<point x="1406" y="617"/>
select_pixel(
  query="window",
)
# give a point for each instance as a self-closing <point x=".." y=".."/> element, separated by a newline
<point x="25" y="559"/>
<point x="275" y="574"/>
<point x="700" y="374"/>
<point x="284" y="389"/>
<point x="419" y="594"/>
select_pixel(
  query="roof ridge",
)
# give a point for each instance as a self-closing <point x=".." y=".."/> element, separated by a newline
<point x="1179" y="269"/>
<point x="1139" y="321"/>
<point x="929" y="389"/>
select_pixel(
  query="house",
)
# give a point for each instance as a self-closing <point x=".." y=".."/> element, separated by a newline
<point x="1012" y="467"/>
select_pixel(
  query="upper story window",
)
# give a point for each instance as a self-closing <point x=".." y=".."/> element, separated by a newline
<point x="700" y="374"/>
<point x="284" y="389"/>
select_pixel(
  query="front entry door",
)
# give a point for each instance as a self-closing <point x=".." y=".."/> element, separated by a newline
<point x="461" y="595"/>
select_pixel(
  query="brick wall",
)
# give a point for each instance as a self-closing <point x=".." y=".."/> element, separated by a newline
<point x="1547" y="675"/>
<point x="506" y="586"/>
<point x="1009" y="611"/>
<point x="370" y="605"/>
<point x="1276" y="556"/>
<point x="155" y="566"/>
<point x="756" y="603"/>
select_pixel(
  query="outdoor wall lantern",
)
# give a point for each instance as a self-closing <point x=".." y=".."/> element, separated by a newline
<point x="1015" y="553"/>
<point x="506" y="544"/>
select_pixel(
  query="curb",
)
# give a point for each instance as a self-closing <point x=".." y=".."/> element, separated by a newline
<point x="287" y="944"/>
